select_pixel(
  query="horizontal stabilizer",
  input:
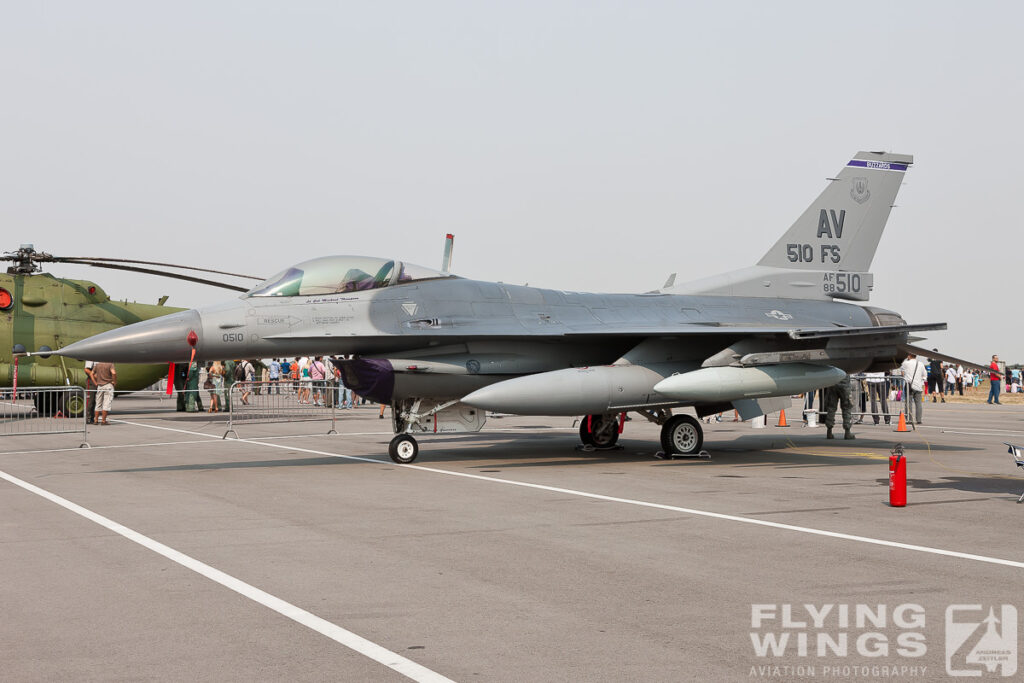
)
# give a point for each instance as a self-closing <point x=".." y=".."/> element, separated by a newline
<point x="918" y="351"/>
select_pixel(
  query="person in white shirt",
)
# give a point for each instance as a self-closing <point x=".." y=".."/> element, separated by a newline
<point x="950" y="379"/>
<point x="915" y="373"/>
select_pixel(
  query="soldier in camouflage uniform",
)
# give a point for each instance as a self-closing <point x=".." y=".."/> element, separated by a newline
<point x="186" y="381"/>
<point x="839" y="394"/>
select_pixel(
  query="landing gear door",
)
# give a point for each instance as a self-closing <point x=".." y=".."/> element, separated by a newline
<point x="459" y="418"/>
<point x="428" y="416"/>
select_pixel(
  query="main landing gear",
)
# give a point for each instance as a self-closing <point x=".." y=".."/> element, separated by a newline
<point x="681" y="435"/>
<point x="600" y="431"/>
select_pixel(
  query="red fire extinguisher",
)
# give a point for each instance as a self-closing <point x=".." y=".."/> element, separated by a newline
<point x="897" y="478"/>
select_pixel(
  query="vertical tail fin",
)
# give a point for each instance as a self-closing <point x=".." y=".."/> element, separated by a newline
<point x="840" y="230"/>
<point x="827" y="252"/>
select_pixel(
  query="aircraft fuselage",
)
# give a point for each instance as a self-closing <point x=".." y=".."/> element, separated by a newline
<point x="453" y="311"/>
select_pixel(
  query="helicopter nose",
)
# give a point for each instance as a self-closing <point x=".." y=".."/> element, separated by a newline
<point x="160" y="340"/>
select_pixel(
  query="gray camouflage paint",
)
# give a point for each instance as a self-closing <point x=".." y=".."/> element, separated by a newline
<point x="447" y="337"/>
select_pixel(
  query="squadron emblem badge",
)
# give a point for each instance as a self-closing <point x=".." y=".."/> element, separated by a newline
<point x="859" y="191"/>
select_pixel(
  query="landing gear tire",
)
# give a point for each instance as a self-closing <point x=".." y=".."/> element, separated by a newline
<point x="599" y="431"/>
<point x="74" y="405"/>
<point x="682" y="435"/>
<point x="403" y="449"/>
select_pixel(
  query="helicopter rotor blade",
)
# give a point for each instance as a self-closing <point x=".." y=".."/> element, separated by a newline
<point x="161" y="273"/>
<point x="87" y="259"/>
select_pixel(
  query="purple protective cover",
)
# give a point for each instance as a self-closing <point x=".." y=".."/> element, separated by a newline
<point x="369" y="377"/>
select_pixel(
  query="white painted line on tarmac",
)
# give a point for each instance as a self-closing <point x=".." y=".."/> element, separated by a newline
<point x="641" y="503"/>
<point x="100" y="448"/>
<point x="977" y="431"/>
<point x="389" y="433"/>
<point x="336" y="633"/>
<point x="317" y="435"/>
<point x="988" y="432"/>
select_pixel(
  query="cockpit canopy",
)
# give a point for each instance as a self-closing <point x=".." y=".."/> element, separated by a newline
<point x="335" y="274"/>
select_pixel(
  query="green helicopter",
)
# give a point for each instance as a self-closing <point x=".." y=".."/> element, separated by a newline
<point x="40" y="312"/>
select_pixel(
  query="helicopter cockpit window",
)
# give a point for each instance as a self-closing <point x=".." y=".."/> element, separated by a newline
<point x="336" y="274"/>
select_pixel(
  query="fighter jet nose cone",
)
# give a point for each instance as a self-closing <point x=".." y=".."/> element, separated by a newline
<point x="160" y="340"/>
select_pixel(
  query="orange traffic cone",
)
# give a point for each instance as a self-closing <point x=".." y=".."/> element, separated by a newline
<point x="902" y="426"/>
<point x="782" y="419"/>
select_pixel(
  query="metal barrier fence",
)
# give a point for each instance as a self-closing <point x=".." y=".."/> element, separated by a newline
<point x="44" y="410"/>
<point x="895" y="386"/>
<point x="890" y="398"/>
<point x="265" y="402"/>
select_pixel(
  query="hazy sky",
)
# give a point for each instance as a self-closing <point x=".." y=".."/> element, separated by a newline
<point x="574" y="145"/>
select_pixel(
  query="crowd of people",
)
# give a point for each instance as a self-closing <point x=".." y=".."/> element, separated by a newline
<point x="312" y="380"/>
<point x="945" y="379"/>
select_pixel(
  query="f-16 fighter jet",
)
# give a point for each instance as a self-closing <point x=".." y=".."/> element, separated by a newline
<point x="443" y="350"/>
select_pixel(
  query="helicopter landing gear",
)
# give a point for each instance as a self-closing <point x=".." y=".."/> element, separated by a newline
<point x="74" y="405"/>
<point x="66" y="403"/>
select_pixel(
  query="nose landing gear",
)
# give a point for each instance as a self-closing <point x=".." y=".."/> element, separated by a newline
<point x="403" y="449"/>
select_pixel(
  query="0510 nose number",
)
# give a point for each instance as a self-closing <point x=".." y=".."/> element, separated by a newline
<point x="233" y="337"/>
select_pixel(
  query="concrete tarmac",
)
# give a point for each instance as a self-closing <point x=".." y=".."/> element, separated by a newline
<point x="506" y="555"/>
